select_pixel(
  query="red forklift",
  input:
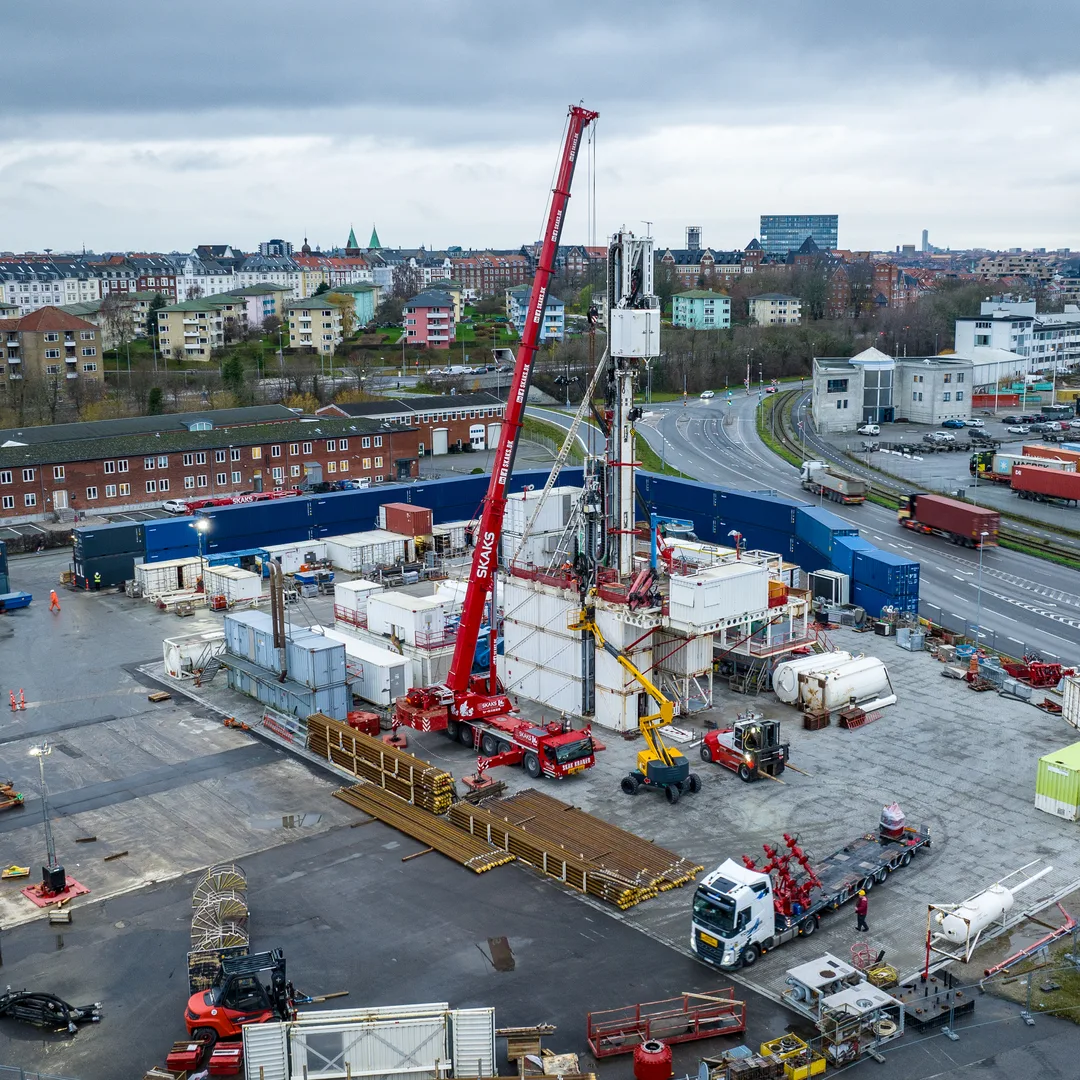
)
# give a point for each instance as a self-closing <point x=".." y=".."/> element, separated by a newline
<point x="751" y="747"/>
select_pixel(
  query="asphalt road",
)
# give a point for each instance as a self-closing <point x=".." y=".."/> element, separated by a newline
<point x="1027" y="603"/>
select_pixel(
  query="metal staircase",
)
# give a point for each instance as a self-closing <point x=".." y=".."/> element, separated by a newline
<point x="207" y="666"/>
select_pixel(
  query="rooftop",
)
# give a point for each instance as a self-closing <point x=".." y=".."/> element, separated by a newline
<point x="774" y="296"/>
<point x="422" y="403"/>
<point x="702" y="294"/>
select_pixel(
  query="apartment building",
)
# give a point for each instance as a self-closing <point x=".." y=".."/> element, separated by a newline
<point x="429" y="320"/>
<point x="518" y="307"/>
<point x="114" y="465"/>
<point x="193" y="329"/>
<point x="314" y="324"/>
<point x="50" y="344"/>
<point x="488" y="274"/>
<point x="701" y="309"/>
<point x="775" y="309"/>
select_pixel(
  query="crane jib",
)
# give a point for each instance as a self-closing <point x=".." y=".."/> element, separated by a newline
<point x="485" y="554"/>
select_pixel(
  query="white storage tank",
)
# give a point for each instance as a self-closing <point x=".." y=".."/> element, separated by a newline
<point x="236" y="585"/>
<point x="350" y="600"/>
<point x="175" y="575"/>
<point x="719" y="593"/>
<point x="357" y="552"/>
<point x="785" y="678"/>
<point x="292" y="557"/>
<point x="415" y="620"/>
<point x="375" y="674"/>
<point x="863" y="682"/>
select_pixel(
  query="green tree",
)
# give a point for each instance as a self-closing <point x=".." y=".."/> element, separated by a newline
<point x="155" y="403"/>
<point x="323" y="287"/>
<point x="233" y="374"/>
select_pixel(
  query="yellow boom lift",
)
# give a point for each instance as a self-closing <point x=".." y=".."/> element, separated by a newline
<point x="659" y="767"/>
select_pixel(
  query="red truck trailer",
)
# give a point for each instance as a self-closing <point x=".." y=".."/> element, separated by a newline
<point x="935" y="515"/>
<point x="1046" y="485"/>
<point x="1034" y="450"/>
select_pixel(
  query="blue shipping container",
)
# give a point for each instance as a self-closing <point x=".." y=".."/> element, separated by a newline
<point x="114" y="569"/>
<point x="168" y="554"/>
<point x="5" y="585"/>
<point x="118" y="538"/>
<point x="3" y="558"/>
<point x="873" y="600"/>
<point x="819" y="528"/>
<point x="168" y="533"/>
<point x="843" y="552"/>
<point x="888" y="573"/>
<point x="809" y="558"/>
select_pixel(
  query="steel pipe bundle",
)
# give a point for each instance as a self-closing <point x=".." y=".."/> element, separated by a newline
<point x="594" y="840"/>
<point x="467" y="851"/>
<point x="371" y="759"/>
<point x="549" y="858"/>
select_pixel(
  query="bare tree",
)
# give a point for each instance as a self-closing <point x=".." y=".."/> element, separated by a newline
<point x="406" y="281"/>
<point x="346" y="306"/>
<point x="116" y="317"/>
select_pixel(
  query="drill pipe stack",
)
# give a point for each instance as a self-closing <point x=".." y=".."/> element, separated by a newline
<point x="594" y="840"/>
<point x="468" y="851"/>
<point x="371" y="759"/>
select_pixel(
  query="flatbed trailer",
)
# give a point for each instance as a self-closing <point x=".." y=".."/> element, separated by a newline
<point x="740" y="912"/>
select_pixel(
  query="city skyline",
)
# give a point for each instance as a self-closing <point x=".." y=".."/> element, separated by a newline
<point x="273" y="126"/>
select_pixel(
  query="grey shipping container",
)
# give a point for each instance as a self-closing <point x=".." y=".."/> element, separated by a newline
<point x="312" y="660"/>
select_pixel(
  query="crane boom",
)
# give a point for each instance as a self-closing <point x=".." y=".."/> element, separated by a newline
<point x="485" y="554"/>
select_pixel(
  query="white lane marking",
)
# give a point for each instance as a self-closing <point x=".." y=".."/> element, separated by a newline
<point x="1017" y="640"/>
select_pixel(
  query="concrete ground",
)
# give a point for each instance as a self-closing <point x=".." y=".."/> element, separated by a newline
<point x="178" y="792"/>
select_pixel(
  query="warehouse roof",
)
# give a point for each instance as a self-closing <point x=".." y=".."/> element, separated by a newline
<point x="423" y="403"/>
<point x="136" y="444"/>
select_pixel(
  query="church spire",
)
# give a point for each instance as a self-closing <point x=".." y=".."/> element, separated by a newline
<point x="374" y="241"/>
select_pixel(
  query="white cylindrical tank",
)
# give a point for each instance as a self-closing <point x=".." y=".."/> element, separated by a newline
<point x="976" y="915"/>
<point x="863" y="680"/>
<point x="785" y="678"/>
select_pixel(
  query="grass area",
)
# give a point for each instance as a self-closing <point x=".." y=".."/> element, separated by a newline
<point x="652" y="462"/>
<point x="763" y="419"/>
<point x="661" y="395"/>
<point x="541" y="429"/>
<point x="1040" y="553"/>
<point x="1063" y="1002"/>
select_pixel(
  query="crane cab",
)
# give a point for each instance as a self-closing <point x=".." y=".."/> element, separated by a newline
<point x="750" y="747"/>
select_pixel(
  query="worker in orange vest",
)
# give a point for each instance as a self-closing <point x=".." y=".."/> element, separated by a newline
<point x="54" y="601"/>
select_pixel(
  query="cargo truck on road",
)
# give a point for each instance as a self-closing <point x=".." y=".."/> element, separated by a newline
<point x="823" y="479"/>
<point x="957" y="522"/>
<point x="741" y="910"/>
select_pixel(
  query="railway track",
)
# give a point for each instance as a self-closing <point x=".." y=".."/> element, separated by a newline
<point x="886" y="493"/>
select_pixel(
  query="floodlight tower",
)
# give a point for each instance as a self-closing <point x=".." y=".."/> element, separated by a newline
<point x="633" y="314"/>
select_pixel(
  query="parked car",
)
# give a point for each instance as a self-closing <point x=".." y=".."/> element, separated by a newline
<point x="1074" y="424"/>
<point x="953" y="423"/>
<point x="707" y="394"/>
<point x="175" y="506"/>
<point x="982" y="437"/>
<point x="869" y="429"/>
<point x="944" y="436"/>
<point x="1010" y="419"/>
<point x="1018" y="429"/>
<point x="974" y="422"/>
<point x="1033" y="418"/>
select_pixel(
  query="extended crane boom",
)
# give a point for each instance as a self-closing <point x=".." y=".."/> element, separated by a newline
<point x="485" y="554"/>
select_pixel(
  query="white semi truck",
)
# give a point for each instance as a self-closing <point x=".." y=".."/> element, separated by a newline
<point x="823" y="479"/>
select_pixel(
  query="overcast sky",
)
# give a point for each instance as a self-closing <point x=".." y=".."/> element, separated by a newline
<point x="127" y="125"/>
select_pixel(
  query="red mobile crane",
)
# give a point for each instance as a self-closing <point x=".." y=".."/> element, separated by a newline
<point x="473" y="708"/>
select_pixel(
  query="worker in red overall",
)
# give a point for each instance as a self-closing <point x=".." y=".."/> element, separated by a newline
<point x="861" y="906"/>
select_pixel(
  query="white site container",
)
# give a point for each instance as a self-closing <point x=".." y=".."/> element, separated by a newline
<point x="236" y="585"/>
<point x="785" y="678"/>
<point x="693" y="551"/>
<point x="454" y="531"/>
<point x="184" y="654"/>
<point x="376" y="674"/>
<point x="356" y="552"/>
<point x="552" y="516"/>
<point x="175" y="575"/>
<point x="452" y="593"/>
<point x="1070" y="700"/>
<point x="719" y="593"/>
<point x="414" y="620"/>
<point x="293" y="556"/>
<point x="678" y="655"/>
<point x="430" y="667"/>
<point x="863" y="682"/>
<point x="351" y="597"/>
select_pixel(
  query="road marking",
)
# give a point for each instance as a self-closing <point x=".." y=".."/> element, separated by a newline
<point x="1007" y="618"/>
<point x="1016" y="639"/>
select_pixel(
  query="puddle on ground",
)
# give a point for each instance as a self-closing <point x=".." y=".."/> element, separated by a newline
<point x="286" y="821"/>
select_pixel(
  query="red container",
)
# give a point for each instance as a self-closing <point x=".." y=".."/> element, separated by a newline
<point x="959" y="518"/>
<point x="405" y="519"/>
<point x="227" y="1059"/>
<point x="1036" y="483"/>
<point x="185" y="1057"/>
<point x="1052" y="452"/>
<point x="652" y="1061"/>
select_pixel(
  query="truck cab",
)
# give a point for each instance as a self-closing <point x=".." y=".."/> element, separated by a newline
<point x="733" y="918"/>
<point x="749" y="748"/>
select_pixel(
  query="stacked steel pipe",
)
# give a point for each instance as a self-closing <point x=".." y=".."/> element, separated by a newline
<point x="595" y="841"/>
<point x="371" y="759"/>
<point x="468" y="851"/>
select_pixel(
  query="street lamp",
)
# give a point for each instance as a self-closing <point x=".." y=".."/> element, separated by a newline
<point x="978" y="612"/>
<point x="201" y="527"/>
<point x="53" y="879"/>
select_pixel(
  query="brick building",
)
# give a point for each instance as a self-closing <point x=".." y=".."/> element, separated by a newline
<point x="488" y="274"/>
<point x="112" y="465"/>
<point x="51" y="344"/>
<point x="451" y="421"/>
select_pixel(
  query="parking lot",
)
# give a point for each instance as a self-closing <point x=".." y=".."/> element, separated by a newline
<point x="171" y="787"/>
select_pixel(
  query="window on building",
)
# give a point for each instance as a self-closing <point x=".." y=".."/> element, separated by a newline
<point x="366" y="463"/>
<point x="946" y="396"/>
<point x="256" y="453"/>
<point x="151" y="487"/>
<point x="125" y="489"/>
<point x="960" y="376"/>
<point x="163" y="485"/>
<point x="331" y="446"/>
<point x="278" y="473"/>
<point x="294" y="448"/>
<point x="840" y="403"/>
<point x="163" y="462"/>
<point x="110" y="491"/>
<point x="378" y="462"/>
<point x="331" y="466"/>
<point x="222" y="479"/>
<point x="234" y="455"/>
<point x="237" y="478"/>
<point x="201" y="480"/>
<point x="28" y="476"/>
<point x="307" y="448"/>
<point x="200" y="458"/>
<point x="52" y="335"/>
<point x="914" y="395"/>
<point x="8" y="502"/>
<point x="959" y="395"/>
<point x="219" y="456"/>
<point x="86" y="335"/>
<point x="122" y="465"/>
<point x="294" y="470"/>
<point x="110" y="466"/>
<point x="378" y="441"/>
<point x="365" y="443"/>
<point x="30" y="499"/>
<point x="52" y="369"/>
<point x="343" y="444"/>
<point x="89" y="367"/>
<point x="58" y="472"/>
<point x="379" y="478"/>
<point x="189" y="483"/>
<point x="91" y="493"/>
<point x="5" y="476"/>
<point x="275" y="451"/>
<point x="189" y="459"/>
<point x="148" y="463"/>
<point x="343" y="466"/>
<point x="947" y="378"/>
<point x="836" y="386"/>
